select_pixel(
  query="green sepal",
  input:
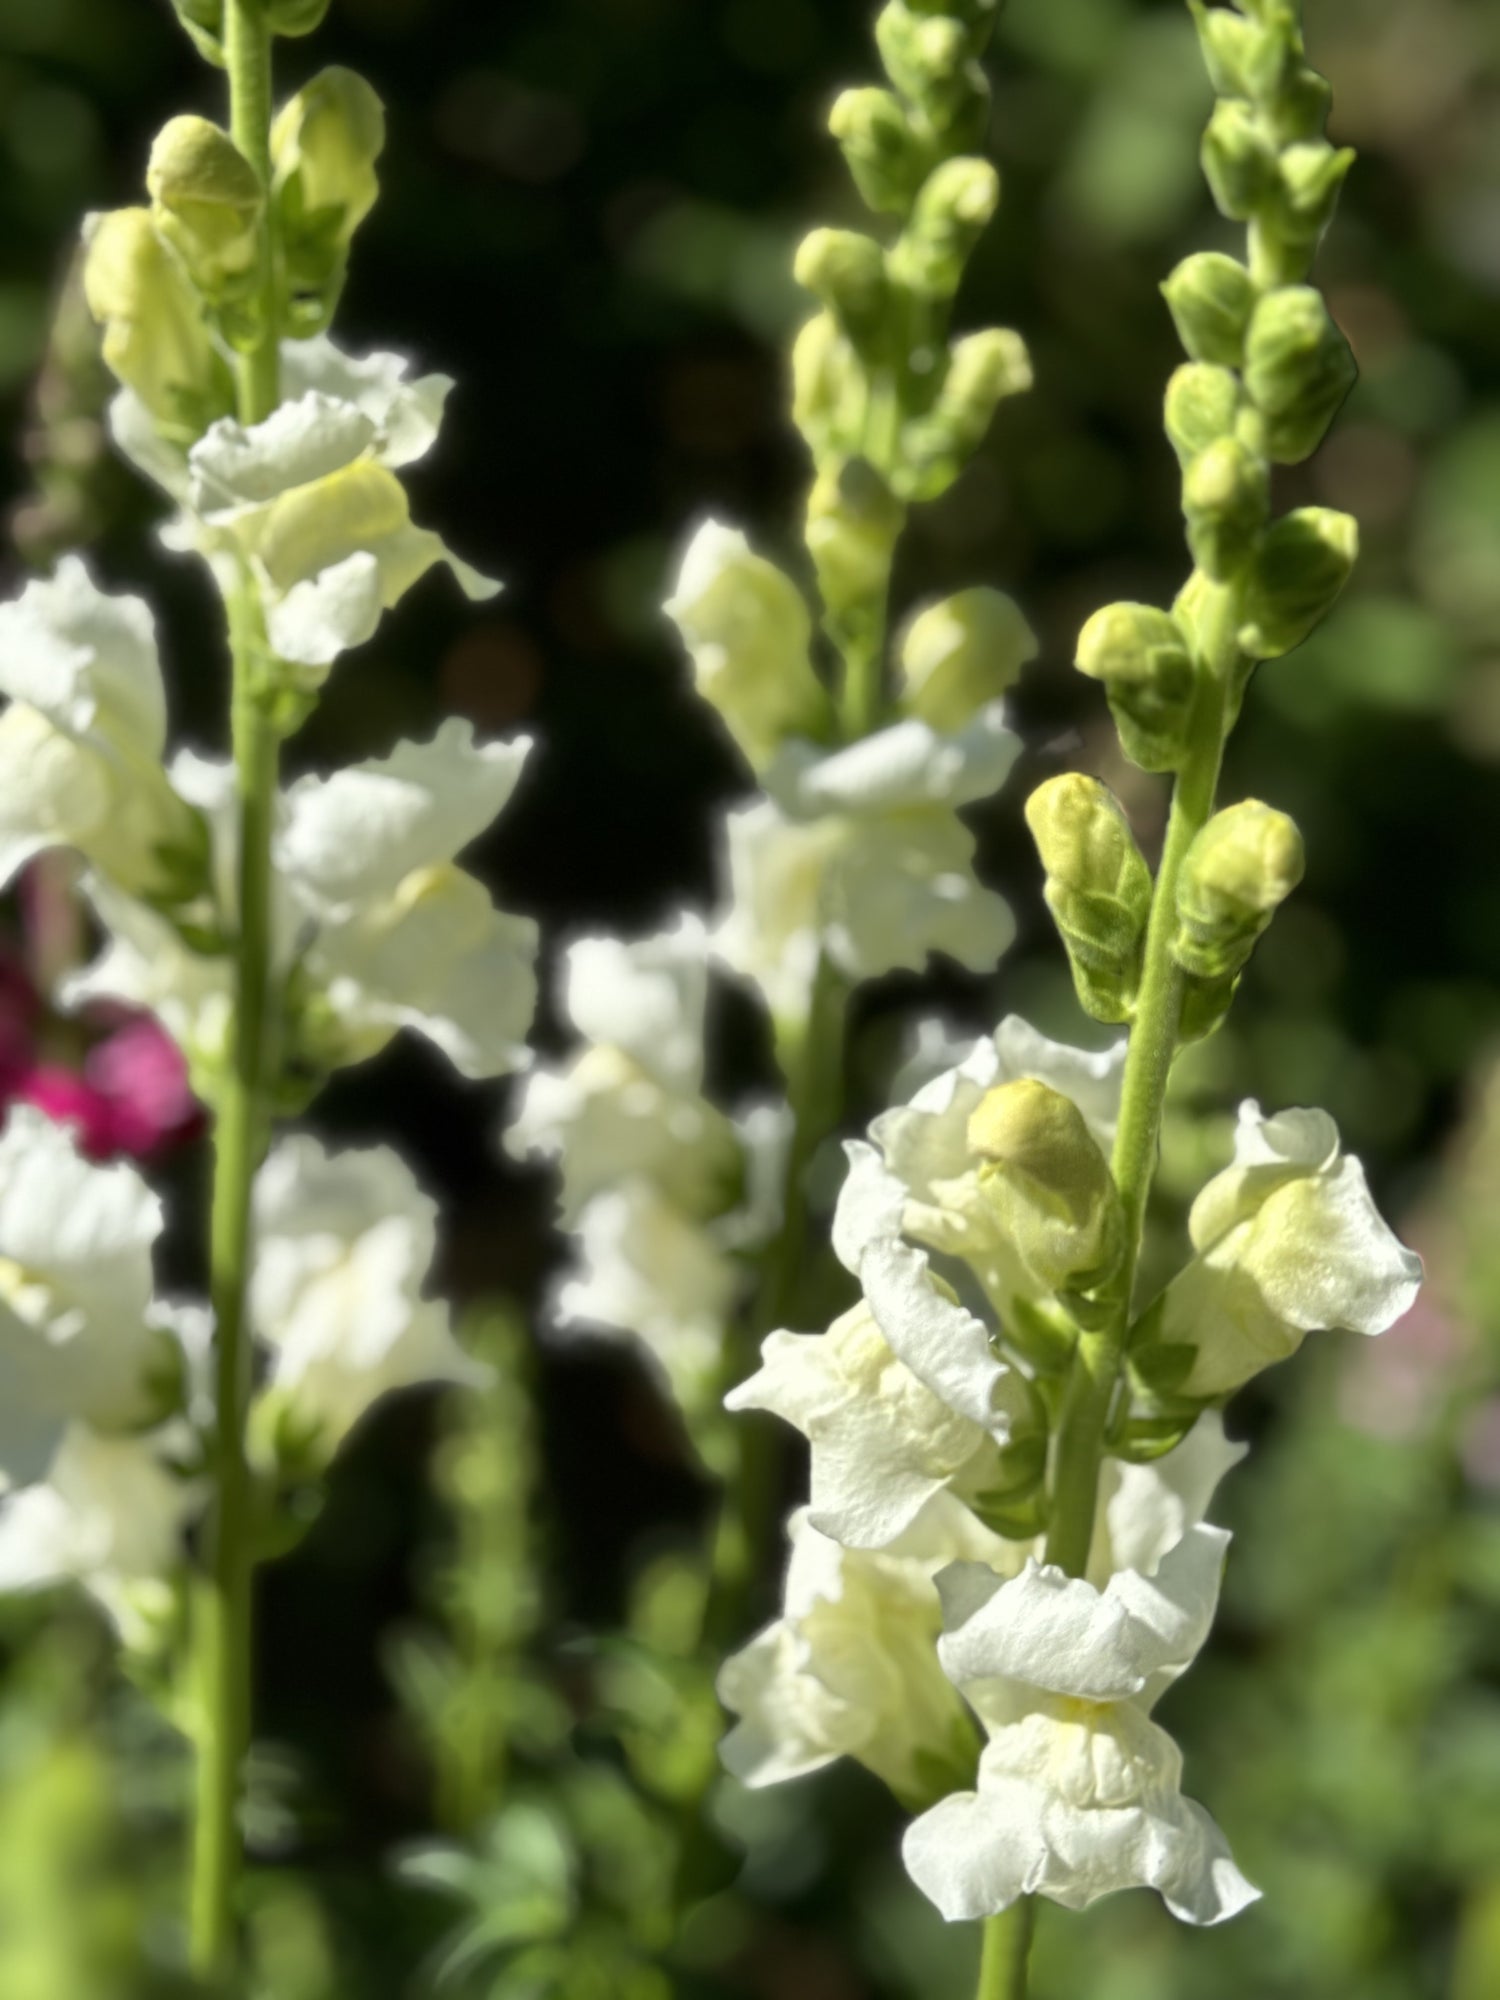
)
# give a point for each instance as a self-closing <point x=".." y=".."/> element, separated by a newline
<point x="1142" y="1440"/>
<point x="1204" y="1005"/>
<point x="888" y="158"/>
<point x="203" y="22"/>
<point x="1040" y="1337"/>
<point x="1017" y="1521"/>
<point x="1239" y="161"/>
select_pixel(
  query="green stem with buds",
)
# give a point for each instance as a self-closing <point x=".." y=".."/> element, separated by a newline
<point x="1007" y="1950"/>
<point x="240" y="1136"/>
<point x="1154" y="1034"/>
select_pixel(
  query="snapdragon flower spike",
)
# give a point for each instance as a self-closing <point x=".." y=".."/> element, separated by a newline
<point x="82" y="741"/>
<point x="1289" y="1243"/>
<point x="345" y="1248"/>
<point x="859" y="855"/>
<point x="1079" y="1792"/>
<point x="80" y="1341"/>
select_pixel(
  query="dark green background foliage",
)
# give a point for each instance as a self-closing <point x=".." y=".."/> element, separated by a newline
<point x="588" y="217"/>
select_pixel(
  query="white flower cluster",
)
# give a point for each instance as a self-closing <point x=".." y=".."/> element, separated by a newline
<point x="104" y="1424"/>
<point x="659" y="1187"/>
<point x="376" y="927"/>
<point x="918" y="1604"/>
<point x="853" y="853"/>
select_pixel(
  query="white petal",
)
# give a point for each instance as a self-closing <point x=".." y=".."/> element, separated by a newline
<point x="358" y="833"/>
<point x="86" y="661"/>
<point x="1056" y="1632"/>
<point x="407" y="414"/>
<point x="882" y="1443"/>
<point x="330" y="613"/>
<point x="907" y="765"/>
<point x="646" y="996"/>
<point x="235" y="470"/>
<point x="647" y="1271"/>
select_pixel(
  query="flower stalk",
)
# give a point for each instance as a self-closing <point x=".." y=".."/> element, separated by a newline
<point x="1006" y="1952"/>
<point x="242" y="1128"/>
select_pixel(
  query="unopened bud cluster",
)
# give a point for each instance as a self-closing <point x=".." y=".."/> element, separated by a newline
<point x="877" y="378"/>
<point x="179" y="287"/>
<point x="1267" y="370"/>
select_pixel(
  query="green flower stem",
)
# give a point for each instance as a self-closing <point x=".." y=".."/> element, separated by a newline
<point x="247" y="52"/>
<point x="1153" y="1045"/>
<point x="1007" y="1949"/>
<point x="224" y="1638"/>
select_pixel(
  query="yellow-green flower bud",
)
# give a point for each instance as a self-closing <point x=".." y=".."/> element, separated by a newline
<point x="207" y="202"/>
<point x="1298" y="370"/>
<point x="1229" y="43"/>
<point x="1310" y="178"/>
<point x="1202" y="405"/>
<point x="295" y="17"/>
<point x="1301" y="566"/>
<point x="1238" y="160"/>
<point x="1226" y="496"/>
<point x="1211" y="298"/>
<point x="828" y="387"/>
<point x="156" y="340"/>
<point x="962" y="653"/>
<point x="983" y="369"/>
<point x="1098" y="888"/>
<point x="324" y="145"/>
<point x="203" y="21"/>
<point x="1048" y="1185"/>
<point x="1142" y="656"/>
<point x="929" y="57"/>
<point x="1235" y="876"/>
<point x="888" y="158"/>
<point x="853" y="521"/>
<point x="955" y="204"/>
<point x="847" y="272"/>
<point x="747" y="630"/>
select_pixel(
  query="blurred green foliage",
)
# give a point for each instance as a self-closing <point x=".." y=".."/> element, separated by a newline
<point x="590" y="212"/>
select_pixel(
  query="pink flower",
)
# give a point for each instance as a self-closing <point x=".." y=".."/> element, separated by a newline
<point x="132" y="1096"/>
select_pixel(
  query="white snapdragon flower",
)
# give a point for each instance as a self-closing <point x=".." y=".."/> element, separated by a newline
<point x="1079" y="1792"/>
<point x="850" y="1669"/>
<point x="82" y="740"/>
<point x="647" y="1271"/>
<point x="77" y="1344"/>
<point x="630" y="1104"/>
<point x="344" y="1242"/>
<point x="1289" y="1242"/>
<point x="310" y="497"/>
<point x="383" y="929"/>
<point x="921" y="1178"/>
<point x="748" y="631"/>
<point x="396" y="935"/>
<point x="859" y="854"/>
<point x="901" y="1400"/>
<point x="110" y="1514"/>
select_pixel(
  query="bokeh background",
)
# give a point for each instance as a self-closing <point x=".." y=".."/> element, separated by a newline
<point x="588" y="217"/>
